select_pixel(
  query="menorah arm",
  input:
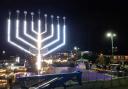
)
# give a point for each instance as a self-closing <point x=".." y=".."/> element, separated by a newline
<point x="21" y="39"/>
<point x="13" y="43"/>
<point x="45" y="30"/>
<point x="54" y="41"/>
<point x="58" y="46"/>
<point x="32" y="28"/>
<point x="36" y="32"/>
<point x="50" y="36"/>
<point x="26" y="34"/>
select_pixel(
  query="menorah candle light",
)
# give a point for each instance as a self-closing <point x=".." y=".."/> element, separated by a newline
<point x="38" y="40"/>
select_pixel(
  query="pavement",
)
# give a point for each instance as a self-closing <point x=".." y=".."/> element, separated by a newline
<point x="121" y="83"/>
<point x="86" y="87"/>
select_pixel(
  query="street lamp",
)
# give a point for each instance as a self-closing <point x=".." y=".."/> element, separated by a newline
<point x="111" y="35"/>
<point x="75" y="48"/>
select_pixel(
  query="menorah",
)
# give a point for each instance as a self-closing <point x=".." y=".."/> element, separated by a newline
<point x="25" y="41"/>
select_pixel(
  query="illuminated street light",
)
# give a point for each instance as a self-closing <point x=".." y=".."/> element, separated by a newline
<point x="75" y="48"/>
<point x="111" y="35"/>
<point x="3" y="52"/>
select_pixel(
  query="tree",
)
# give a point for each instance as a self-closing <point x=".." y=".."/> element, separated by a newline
<point x="107" y="60"/>
<point x="91" y="57"/>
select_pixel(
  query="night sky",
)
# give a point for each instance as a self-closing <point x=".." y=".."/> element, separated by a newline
<point x="87" y="22"/>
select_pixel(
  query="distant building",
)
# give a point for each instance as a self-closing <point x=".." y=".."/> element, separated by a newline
<point x="119" y="58"/>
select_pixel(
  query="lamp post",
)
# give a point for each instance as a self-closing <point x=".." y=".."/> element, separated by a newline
<point x="111" y="35"/>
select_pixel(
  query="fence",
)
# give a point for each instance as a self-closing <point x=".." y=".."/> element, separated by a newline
<point x="27" y="82"/>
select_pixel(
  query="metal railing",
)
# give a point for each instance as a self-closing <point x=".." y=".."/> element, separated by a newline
<point x="49" y="80"/>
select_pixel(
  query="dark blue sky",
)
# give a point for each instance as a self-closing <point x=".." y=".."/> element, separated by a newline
<point x="87" y="21"/>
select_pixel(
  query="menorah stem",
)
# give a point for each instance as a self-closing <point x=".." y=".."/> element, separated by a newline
<point x="38" y="61"/>
<point x="39" y="53"/>
<point x="39" y="46"/>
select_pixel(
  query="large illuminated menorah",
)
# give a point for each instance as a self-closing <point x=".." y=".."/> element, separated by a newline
<point x="38" y="40"/>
